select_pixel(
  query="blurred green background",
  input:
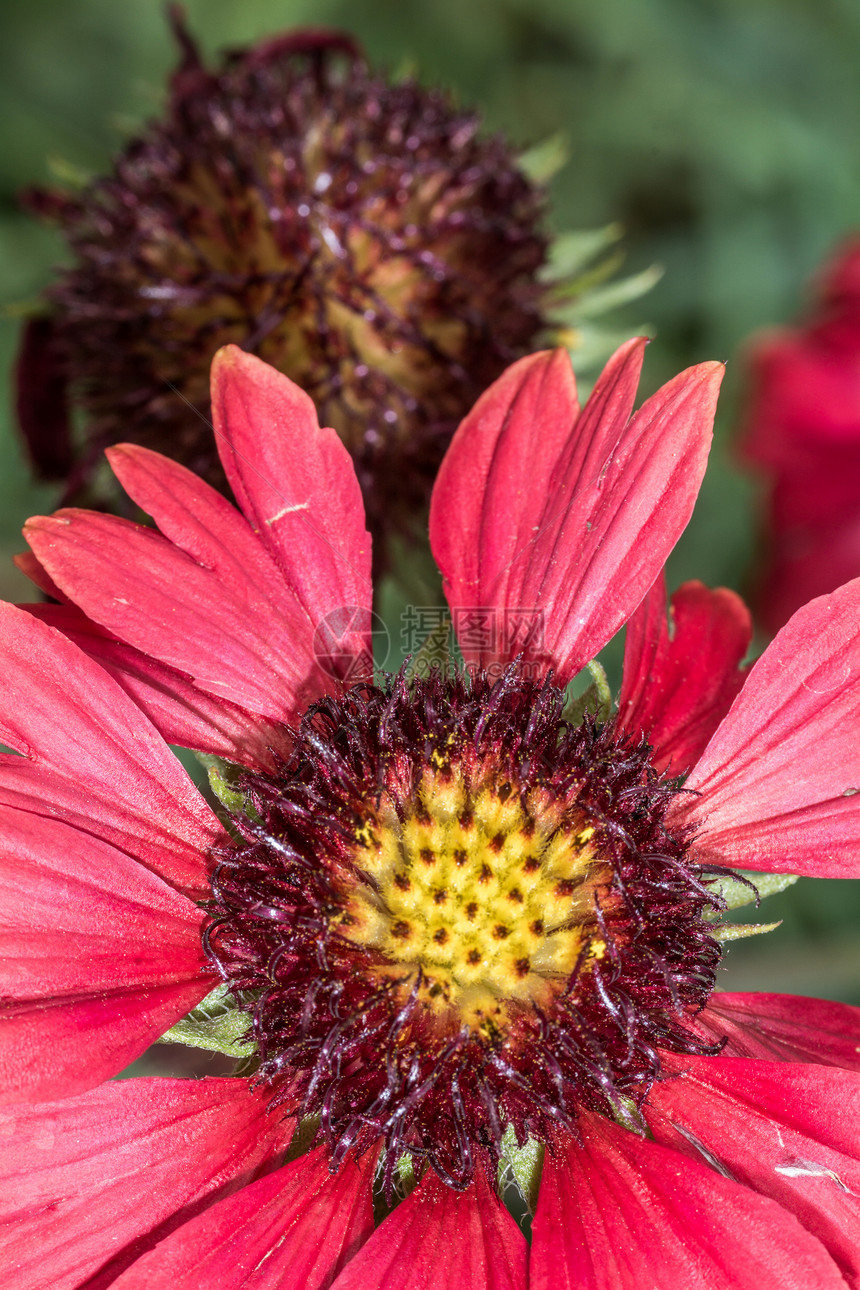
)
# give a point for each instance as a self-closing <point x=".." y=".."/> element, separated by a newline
<point x="722" y="133"/>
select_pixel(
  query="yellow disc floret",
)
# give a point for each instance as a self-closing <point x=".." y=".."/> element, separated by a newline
<point x="482" y="893"/>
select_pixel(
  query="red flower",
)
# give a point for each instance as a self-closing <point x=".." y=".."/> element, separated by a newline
<point x="692" y="1139"/>
<point x="802" y="430"/>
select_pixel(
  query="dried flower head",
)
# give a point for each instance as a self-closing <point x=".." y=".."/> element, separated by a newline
<point x="360" y="235"/>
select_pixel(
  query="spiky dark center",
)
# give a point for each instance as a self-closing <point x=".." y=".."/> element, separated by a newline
<point x="452" y="911"/>
<point x="360" y="236"/>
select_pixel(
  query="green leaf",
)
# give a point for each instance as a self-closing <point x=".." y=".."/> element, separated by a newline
<point x="222" y="778"/>
<point x="571" y="252"/>
<point x="215" y="1024"/>
<point x="591" y="304"/>
<point x="435" y="651"/>
<point x="736" y="893"/>
<point x="525" y="1163"/>
<point x="544" y="160"/>
<point x="597" y="699"/>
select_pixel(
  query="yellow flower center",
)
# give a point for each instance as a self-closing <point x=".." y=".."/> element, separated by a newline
<point x="483" y="893"/>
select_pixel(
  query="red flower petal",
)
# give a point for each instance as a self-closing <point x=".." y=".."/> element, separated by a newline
<point x="92" y="758"/>
<point x="791" y="1132"/>
<point x="621" y="1213"/>
<point x="784" y="1027"/>
<point x="205" y="599"/>
<point x="295" y="482"/>
<point x="496" y="476"/>
<point x="682" y="674"/>
<point x="91" y="1183"/>
<point x="440" y="1239"/>
<point x="776" y="788"/>
<point x="98" y="958"/>
<point x="296" y="1227"/>
<point x="180" y="712"/>
<point x="535" y="509"/>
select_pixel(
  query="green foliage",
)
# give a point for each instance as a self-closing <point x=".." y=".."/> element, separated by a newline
<point x="216" y="1024"/>
<point x="525" y="1164"/>
<point x="749" y="886"/>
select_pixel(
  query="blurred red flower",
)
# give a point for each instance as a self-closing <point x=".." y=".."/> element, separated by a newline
<point x="802" y="431"/>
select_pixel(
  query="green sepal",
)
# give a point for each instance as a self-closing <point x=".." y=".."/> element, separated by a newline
<point x="303" y="1138"/>
<point x="737" y="893"/>
<point x="406" y="1179"/>
<point x="596" y="700"/>
<point x="570" y="253"/>
<point x="68" y="173"/>
<point x="580" y="284"/>
<point x="525" y="1163"/>
<point x="215" y="1024"/>
<point x="601" y="299"/>
<point x="435" y="652"/>
<point x="740" y="931"/>
<point x="627" y="1114"/>
<point x="544" y="160"/>
<point x="222" y="778"/>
